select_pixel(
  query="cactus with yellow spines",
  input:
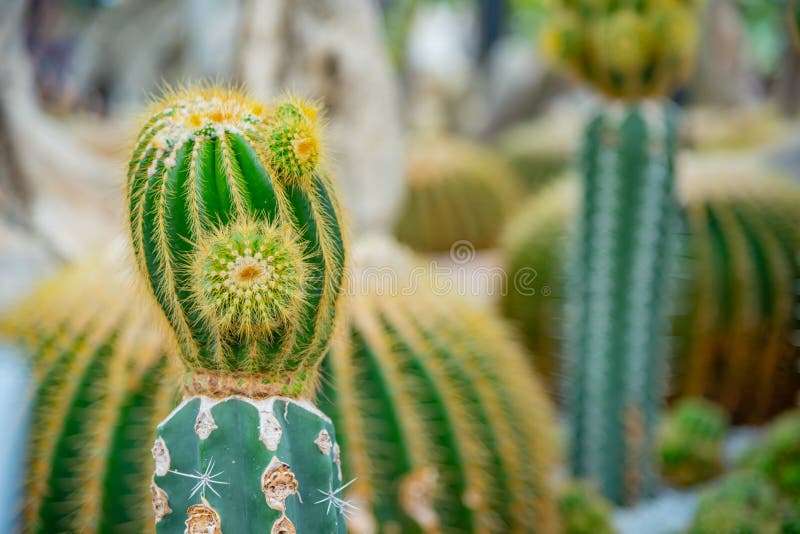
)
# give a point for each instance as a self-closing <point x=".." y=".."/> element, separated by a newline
<point x="101" y="384"/>
<point x="427" y="393"/>
<point x="732" y="338"/>
<point x="236" y="229"/>
<point x="457" y="191"/>
<point x="690" y="442"/>
<point x="469" y="453"/>
<point x="627" y="50"/>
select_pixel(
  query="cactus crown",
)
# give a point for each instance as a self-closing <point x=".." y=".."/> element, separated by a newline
<point x="236" y="227"/>
<point x="628" y="50"/>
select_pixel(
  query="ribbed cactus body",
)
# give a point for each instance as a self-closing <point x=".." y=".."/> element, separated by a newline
<point x="236" y="229"/>
<point x="618" y="298"/>
<point x="282" y="454"/>
<point x="732" y="333"/>
<point x="208" y="164"/>
<point x="457" y="191"/>
<point x="437" y="417"/>
<point x="101" y="387"/>
<point x="442" y="425"/>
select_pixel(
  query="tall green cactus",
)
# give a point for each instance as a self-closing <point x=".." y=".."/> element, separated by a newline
<point x="457" y="191"/>
<point x="236" y="229"/>
<point x="497" y="414"/>
<point x="732" y="337"/>
<point x="618" y="298"/>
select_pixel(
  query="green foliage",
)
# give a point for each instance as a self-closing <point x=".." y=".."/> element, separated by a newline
<point x="583" y="510"/>
<point x="691" y="441"/>
<point x="457" y="190"/>
<point x="619" y="299"/>
<point x="208" y="164"/>
<point x="732" y="336"/>
<point x="626" y="50"/>
<point x="744" y="502"/>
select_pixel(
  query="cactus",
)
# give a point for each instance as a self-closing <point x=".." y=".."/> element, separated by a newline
<point x="236" y="229"/>
<point x="690" y="442"/>
<point x="583" y="510"/>
<point x="777" y="455"/>
<point x="444" y="428"/>
<point x="457" y="191"/>
<point x="99" y="483"/>
<point x="742" y="227"/>
<point x="625" y="50"/>
<point x="618" y="298"/>
<point x="744" y="502"/>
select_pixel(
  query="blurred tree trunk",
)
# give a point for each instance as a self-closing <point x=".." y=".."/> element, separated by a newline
<point x="333" y="50"/>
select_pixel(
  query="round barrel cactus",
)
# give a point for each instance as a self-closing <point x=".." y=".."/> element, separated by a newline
<point x="457" y="191"/>
<point x="625" y="50"/>
<point x="236" y="229"/>
<point x="732" y="333"/>
<point x="439" y="423"/>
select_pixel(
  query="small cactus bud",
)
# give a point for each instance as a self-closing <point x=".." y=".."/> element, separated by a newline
<point x="294" y="141"/>
<point x="248" y="278"/>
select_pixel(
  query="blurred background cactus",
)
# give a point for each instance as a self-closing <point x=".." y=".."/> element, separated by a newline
<point x="584" y="510"/>
<point x="690" y="442"/>
<point x="741" y="226"/>
<point x="457" y="191"/>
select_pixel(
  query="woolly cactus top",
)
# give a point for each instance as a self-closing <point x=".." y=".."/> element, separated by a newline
<point x="626" y="49"/>
<point x="236" y="227"/>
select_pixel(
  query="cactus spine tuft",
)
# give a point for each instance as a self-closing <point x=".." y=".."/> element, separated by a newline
<point x="236" y="229"/>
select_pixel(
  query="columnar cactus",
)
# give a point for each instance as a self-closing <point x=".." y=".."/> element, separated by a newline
<point x="743" y="226"/>
<point x="99" y="483"/>
<point x="237" y="231"/>
<point x="443" y="427"/>
<point x="690" y="442"/>
<point x="457" y="191"/>
<point x="619" y="295"/>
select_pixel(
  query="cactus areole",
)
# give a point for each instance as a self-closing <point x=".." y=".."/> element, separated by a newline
<point x="236" y="229"/>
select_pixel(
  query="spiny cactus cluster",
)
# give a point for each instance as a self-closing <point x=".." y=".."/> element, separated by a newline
<point x="444" y="428"/>
<point x="583" y="510"/>
<point x="690" y="444"/>
<point x="426" y="404"/>
<point x="777" y="455"/>
<point x="732" y="335"/>
<point x="457" y="191"/>
<point x="744" y="502"/>
<point x="236" y="229"/>
<point x="629" y="50"/>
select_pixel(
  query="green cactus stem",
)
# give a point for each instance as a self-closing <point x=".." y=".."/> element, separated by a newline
<point x="732" y="335"/>
<point x="618" y="298"/>
<point x="236" y="229"/>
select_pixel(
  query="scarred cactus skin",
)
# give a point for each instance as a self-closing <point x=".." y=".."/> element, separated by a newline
<point x="628" y="51"/>
<point x="207" y="164"/>
<point x="236" y="229"/>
